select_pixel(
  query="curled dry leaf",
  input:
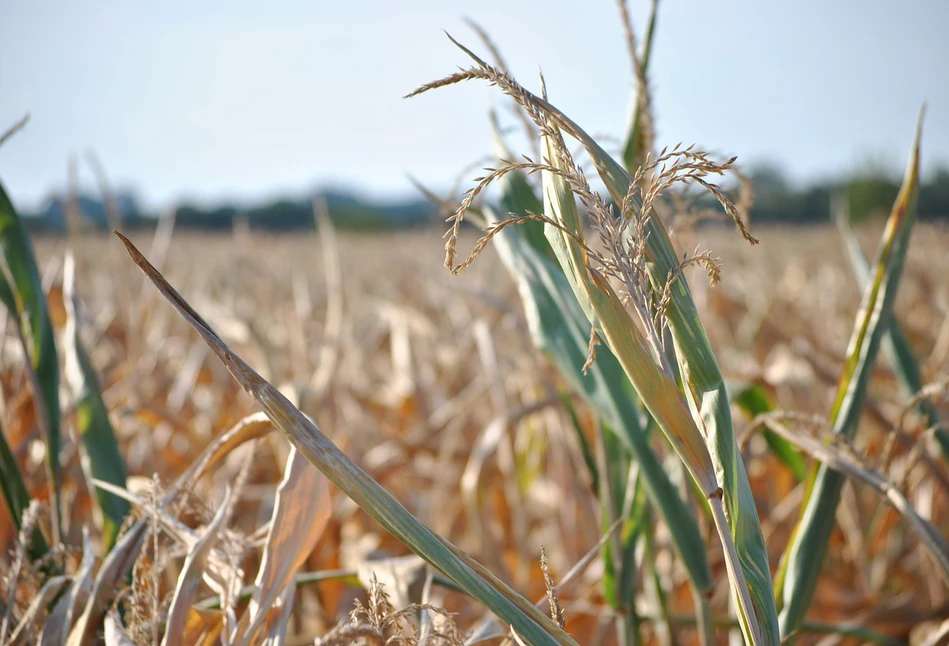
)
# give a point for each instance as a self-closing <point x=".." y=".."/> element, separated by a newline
<point x="118" y="562"/>
<point x="300" y="514"/>
<point x="190" y="576"/>
<point x="69" y="606"/>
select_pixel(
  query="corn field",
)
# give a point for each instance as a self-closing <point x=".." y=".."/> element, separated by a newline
<point x="592" y="418"/>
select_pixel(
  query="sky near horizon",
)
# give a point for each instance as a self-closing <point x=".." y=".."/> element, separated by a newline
<point x="231" y="100"/>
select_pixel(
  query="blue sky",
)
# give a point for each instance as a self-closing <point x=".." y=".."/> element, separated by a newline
<point x="234" y="100"/>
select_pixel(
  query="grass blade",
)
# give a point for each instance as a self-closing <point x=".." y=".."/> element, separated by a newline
<point x="529" y="622"/>
<point x="105" y="461"/>
<point x="22" y="293"/>
<point x="805" y="553"/>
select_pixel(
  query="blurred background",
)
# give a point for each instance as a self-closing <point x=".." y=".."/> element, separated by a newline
<point x="240" y="108"/>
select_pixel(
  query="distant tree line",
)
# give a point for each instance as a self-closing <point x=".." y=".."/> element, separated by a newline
<point x="865" y="195"/>
<point x="347" y="211"/>
<point x="776" y="201"/>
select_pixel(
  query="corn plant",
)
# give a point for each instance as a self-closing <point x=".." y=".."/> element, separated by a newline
<point x="643" y="262"/>
<point x="637" y="255"/>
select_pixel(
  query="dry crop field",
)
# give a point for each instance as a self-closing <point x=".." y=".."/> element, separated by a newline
<point x="431" y="383"/>
<point x="602" y="426"/>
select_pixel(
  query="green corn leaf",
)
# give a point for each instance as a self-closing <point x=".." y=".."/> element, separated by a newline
<point x="22" y="293"/>
<point x="532" y="626"/>
<point x="12" y="484"/>
<point x="620" y="573"/>
<point x="664" y="619"/>
<point x="895" y="345"/>
<point x="615" y="464"/>
<point x="105" y="460"/>
<point x="17" y="498"/>
<point x="637" y="144"/>
<point x="585" y="449"/>
<point x="636" y="524"/>
<point x="804" y="556"/>
<point x="753" y="400"/>
<point x="618" y="553"/>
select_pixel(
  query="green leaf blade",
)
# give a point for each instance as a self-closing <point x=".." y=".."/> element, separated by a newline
<point x="533" y="626"/>
<point x="805" y="554"/>
<point x="895" y="344"/>
<point x="706" y="393"/>
<point x="560" y="329"/>
<point x="17" y="498"/>
<point x="22" y="293"/>
<point x="754" y="401"/>
<point x="92" y="419"/>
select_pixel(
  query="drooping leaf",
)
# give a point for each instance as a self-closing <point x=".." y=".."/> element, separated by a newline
<point x="841" y="459"/>
<point x="528" y="621"/>
<point x="301" y="511"/>
<point x="179" y="610"/>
